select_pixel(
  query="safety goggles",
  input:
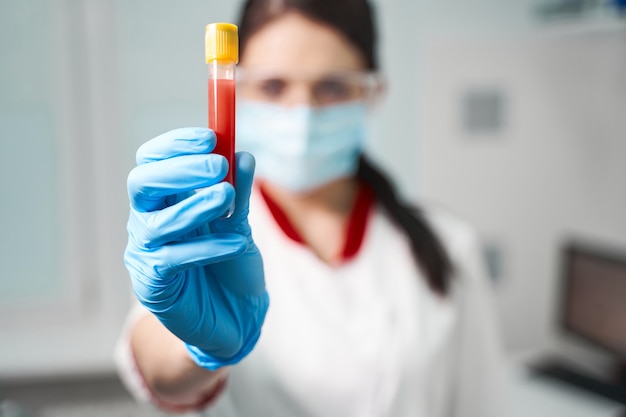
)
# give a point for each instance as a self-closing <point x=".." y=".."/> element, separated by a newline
<point x="321" y="90"/>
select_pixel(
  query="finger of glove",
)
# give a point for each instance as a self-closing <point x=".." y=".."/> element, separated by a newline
<point x="149" y="184"/>
<point x="173" y="223"/>
<point x="177" y="142"/>
<point x="245" y="164"/>
<point x="161" y="278"/>
<point x="199" y="251"/>
<point x="243" y="275"/>
<point x="237" y="222"/>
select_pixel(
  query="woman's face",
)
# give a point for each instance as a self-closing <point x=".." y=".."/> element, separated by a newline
<point x="294" y="60"/>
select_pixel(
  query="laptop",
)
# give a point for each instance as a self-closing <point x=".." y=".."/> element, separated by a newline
<point x="591" y="311"/>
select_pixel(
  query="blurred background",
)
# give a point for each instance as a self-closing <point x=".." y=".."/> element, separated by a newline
<point x="510" y="113"/>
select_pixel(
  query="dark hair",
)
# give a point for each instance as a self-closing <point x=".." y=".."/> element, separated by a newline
<point x="354" y="20"/>
<point x="429" y="253"/>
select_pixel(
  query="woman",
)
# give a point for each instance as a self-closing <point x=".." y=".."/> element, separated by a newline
<point x="377" y="309"/>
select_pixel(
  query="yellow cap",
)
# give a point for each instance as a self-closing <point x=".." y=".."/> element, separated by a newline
<point x="221" y="42"/>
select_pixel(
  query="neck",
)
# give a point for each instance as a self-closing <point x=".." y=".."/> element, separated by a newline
<point x="321" y="216"/>
<point x="337" y="196"/>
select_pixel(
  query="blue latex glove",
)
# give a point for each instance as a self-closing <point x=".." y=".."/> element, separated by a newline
<point x="199" y="273"/>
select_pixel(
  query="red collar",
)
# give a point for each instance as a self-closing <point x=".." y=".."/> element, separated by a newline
<point x="355" y="230"/>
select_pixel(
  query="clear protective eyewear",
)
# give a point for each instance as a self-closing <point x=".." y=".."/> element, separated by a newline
<point x="325" y="89"/>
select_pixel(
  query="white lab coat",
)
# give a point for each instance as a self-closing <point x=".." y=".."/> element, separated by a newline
<point x="367" y="337"/>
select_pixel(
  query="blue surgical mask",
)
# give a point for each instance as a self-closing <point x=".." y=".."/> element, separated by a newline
<point x="302" y="148"/>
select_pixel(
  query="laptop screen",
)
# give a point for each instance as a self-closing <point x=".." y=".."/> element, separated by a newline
<point x="594" y="296"/>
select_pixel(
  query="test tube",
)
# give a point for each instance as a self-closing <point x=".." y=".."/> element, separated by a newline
<point x="222" y="55"/>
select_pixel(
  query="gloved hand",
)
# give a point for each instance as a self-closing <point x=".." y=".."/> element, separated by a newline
<point x="199" y="273"/>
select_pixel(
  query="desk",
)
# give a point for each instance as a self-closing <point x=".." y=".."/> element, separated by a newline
<point x="534" y="396"/>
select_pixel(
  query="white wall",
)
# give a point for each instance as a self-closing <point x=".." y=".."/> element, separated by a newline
<point x="61" y="275"/>
<point x="405" y="27"/>
<point x="558" y="168"/>
<point x="555" y="170"/>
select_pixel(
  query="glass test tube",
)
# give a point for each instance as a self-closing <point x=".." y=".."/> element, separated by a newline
<point x="222" y="55"/>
